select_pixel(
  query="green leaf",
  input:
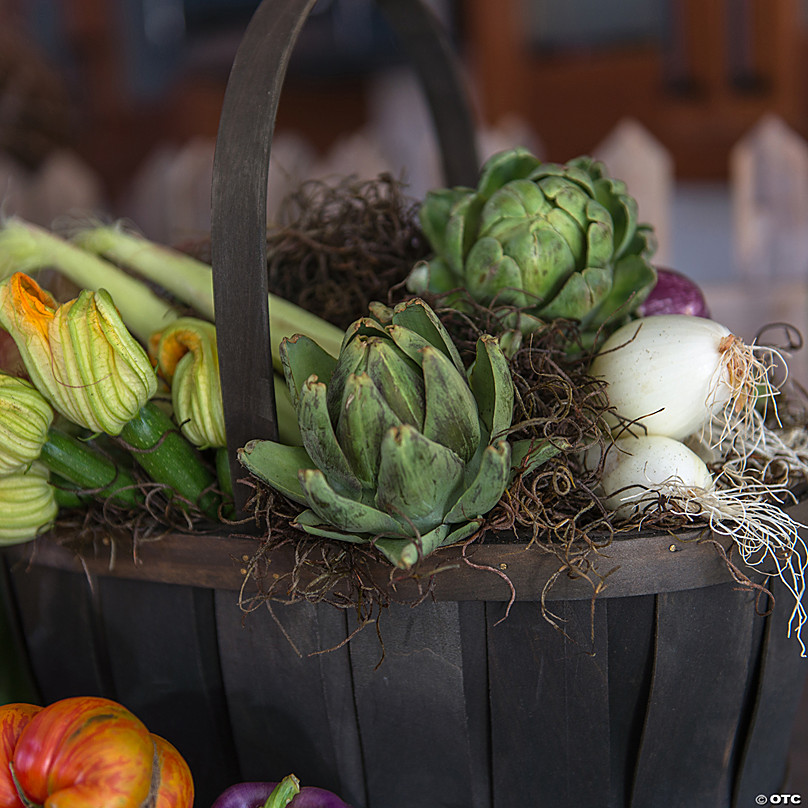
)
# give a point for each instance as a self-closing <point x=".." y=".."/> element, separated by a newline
<point x="417" y="316"/>
<point x="277" y="465"/>
<point x="487" y="487"/>
<point x="398" y="379"/>
<point x="320" y="439"/>
<point x="490" y="381"/>
<point x="527" y="455"/>
<point x="364" y="419"/>
<point x="505" y="166"/>
<point x="301" y="357"/>
<point x="417" y="477"/>
<point x="451" y="411"/>
<point x="345" y="513"/>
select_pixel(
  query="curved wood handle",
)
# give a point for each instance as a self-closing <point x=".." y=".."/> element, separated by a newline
<point x="239" y="192"/>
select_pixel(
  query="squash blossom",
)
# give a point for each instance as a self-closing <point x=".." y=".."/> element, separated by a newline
<point x="187" y="358"/>
<point x="79" y="354"/>
<point x="27" y="505"/>
<point x="25" y="418"/>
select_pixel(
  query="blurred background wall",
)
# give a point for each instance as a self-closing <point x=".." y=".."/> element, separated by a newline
<point x="700" y="105"/>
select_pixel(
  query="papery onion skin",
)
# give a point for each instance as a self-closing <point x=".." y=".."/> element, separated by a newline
<point x="665" y="373"/>
<point x="674" y="293"/>
<point x="255" y="794"/>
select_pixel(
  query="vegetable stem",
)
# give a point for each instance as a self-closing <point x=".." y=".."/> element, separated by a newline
<point x="283" y="793"/>
<point x="24" y="247"/>
<point x="168" y="458"/>
<point x="192" y="282"/>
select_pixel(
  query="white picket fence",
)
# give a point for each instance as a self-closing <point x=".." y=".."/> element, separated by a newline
<point x="745" y="242"/>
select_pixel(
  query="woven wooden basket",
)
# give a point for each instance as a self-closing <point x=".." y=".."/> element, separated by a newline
<point x="668" y="689"/>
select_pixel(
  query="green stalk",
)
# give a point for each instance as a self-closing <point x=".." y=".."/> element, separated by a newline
<point x="77" y="462"/>
<point x="192" y="282"/>
<point x="283" y="793"/>
<point x="168" y="458"/>
<point x="24" y="247"/>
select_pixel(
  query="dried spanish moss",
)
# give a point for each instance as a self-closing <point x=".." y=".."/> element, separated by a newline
<point x="338" y="246"/>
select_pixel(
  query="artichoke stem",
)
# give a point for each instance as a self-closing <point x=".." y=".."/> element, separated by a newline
<point x="168" y="458"/>
<point x="83" y="466"/>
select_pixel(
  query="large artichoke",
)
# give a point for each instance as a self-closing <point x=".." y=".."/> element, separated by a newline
<point x="553" y="240"/>
<point x="401" y="447"/>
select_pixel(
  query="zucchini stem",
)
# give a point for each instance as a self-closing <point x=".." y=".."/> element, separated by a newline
<point x="191" y="281"/>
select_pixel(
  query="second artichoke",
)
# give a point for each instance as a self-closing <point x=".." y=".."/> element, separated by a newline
<point x="552" y="240"/>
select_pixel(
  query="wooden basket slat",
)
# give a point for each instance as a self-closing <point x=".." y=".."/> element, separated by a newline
<point x="164" y="660"/>
<point x="412" y="709"/>
<point x="631" y="626"/>
<point x="549" y="707"/>
<point x="280" y="706"/>
<point x="697" y="697"/>
<point x="61" y="620"/>
<point x="763" y="756"/>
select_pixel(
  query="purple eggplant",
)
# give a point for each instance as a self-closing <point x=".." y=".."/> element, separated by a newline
<point x="674" y="293"/>
<point x="255" y="795"/>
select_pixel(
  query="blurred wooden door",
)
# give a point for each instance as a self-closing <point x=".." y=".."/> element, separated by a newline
<point x="697" y="73"/>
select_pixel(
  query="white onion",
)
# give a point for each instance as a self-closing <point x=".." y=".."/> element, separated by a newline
<point x="669" y="372"/>
<point x="633" y="466"/>
<point x="637" y="471"/>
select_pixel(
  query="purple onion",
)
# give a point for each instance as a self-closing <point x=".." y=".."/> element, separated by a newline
<point x="674" y="293"/>
<point x="255" y="794"/>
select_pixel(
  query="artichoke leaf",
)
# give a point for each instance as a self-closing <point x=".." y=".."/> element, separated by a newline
<point x="435" y="212"/>
<point x="417" y="316"/>
<point x="504" y="167"/>
<point x="580" y="294"/>
<point x="487" y="487"/>
<point x="277" y="465"/>
<point x="363" y="421"/>
<point x="363" y="327"/>
<point x="309" y="521"/>
<point x="492" y="385"/>
<point x="346" y="513"/>
<point x="301" y="357"/>
<point x="417" y="477"/>
<point x="492" y="276"/>
<point x="632" y="280"/>
<point x="319" y="438"/>
<point x="406" y="555"/>
<point x="451" y="411"/>
<point x="528" y="454"/>
<point x="432" y="276"/>
<point x="461" y="230"/>
<point x="393" y="372"/>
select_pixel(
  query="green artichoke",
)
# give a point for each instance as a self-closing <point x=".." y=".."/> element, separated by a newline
<point x="552" y="240"/>
<point x="401" y="447"/>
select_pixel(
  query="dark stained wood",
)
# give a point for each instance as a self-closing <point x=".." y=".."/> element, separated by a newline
<point x="638" y="566"/>
<point x="631" y="629"/>
<point x="164" y="661"/>
<point x="549" y="706"/>
<point x="778" y="689"/>
<point x="291" y="708"/>
<point x="238" y="225"/>
<point x="411" y="709"/>
<point x="60" y="616"/>
<point x="701" y="662"/>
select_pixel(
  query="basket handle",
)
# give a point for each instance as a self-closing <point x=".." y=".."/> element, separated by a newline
<point x="239" y="192"/>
